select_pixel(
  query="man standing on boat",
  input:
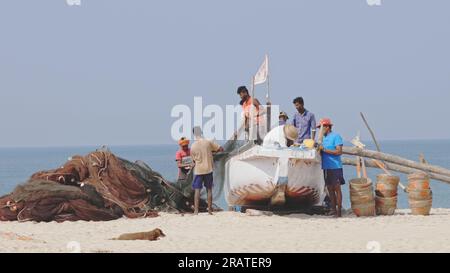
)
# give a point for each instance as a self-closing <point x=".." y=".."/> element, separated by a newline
<point x="304" y="121"/>
<point x="247" y="102"/>
<point x="183" y="159"/>
<point x="202" y="154"/>
<point x="331" y="150"/>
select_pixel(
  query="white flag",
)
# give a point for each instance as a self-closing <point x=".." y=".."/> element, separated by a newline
<point x="263" y="72"/>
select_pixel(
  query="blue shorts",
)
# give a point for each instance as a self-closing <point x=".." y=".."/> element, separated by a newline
<point x="334" y="177"/>
<point x="203" y="179"/>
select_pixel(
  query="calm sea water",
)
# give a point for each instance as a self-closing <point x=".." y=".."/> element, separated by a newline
<point x="17" y="164"/>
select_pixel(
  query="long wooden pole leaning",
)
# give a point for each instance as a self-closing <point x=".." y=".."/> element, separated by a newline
<point x="376" y="142"/>
<point x="371" y="132"/>
<point x="382" y="166"/>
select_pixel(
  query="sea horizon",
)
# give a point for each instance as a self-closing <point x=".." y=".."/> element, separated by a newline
<point x="365" y="141"/>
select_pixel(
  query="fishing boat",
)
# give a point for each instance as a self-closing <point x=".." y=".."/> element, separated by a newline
<point x="266" y="177"/>
<point x="270" y="177"/>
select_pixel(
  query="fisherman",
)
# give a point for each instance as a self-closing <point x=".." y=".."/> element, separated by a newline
<point x="282" y="136"/>
<point x="331" y="151"/>
<point x="183" y="159"/>
<point x="283" y="117"/>
<point x="202" y="154"/>
<point x="247" y="102"/>
<point x="304" y="121"/>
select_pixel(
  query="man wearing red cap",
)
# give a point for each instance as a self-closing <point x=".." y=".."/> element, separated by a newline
<point x="183" y="158"/>
<point x="331" y="151"/>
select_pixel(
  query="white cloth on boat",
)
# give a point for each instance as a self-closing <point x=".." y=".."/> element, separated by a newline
<point x="276" y="138"/>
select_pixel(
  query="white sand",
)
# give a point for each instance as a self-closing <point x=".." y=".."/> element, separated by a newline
<point x="235" y="232"/>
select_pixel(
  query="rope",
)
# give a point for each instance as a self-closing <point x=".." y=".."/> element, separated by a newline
<point x="22" y="220"/>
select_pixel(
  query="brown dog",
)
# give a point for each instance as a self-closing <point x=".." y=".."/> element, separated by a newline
<point x="149" y="236"/>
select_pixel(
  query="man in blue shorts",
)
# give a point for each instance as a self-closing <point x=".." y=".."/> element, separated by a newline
<point x="331" y="151"/>
<point x="202" y="155"/>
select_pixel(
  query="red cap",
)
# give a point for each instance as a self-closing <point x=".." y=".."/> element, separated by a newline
<point x="324" y="122"/>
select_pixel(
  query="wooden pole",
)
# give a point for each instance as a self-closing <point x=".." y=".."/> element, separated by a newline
<point x="381" y="166"/>
<point x="268" y="82"/>
<point x="395" y="159"/>
<point x="252" y="114"/>
<point x="376" y="142"/>
<point x="371" y="132"/>
<point x="320" y="137"/>
<point x="269" y="106"/>
<point x="358" y="166"/>
<point x="364" y="170"/>
<point x="422" y="159"/>
<point x="394" y="167"/>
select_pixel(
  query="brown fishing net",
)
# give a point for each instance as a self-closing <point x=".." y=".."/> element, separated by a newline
<point x="96" y="187"/>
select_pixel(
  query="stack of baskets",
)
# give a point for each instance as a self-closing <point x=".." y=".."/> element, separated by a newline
<point x="362" y="197"/>
<point x="420" y="194"/>
<point x="386" y="194"/>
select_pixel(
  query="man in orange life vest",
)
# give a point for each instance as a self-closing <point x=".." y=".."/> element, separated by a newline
<point x="247" y="101"/>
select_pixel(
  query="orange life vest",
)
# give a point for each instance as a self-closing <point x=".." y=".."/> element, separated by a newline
<point x="247" y="107"/>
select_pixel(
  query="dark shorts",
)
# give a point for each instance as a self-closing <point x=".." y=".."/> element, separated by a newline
<point x="334" y="177"/>
<point x="204" y="179"/>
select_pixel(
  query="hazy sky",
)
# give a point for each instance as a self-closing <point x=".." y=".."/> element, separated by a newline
<point x="110" y="71"/>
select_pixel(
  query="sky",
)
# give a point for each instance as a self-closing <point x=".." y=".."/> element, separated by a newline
<point x="110" y="71"/>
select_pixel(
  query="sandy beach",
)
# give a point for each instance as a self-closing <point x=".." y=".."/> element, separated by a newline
<point x="237" y="232"/>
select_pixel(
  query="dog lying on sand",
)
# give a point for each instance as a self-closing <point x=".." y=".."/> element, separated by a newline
<point x="149" y="236"/>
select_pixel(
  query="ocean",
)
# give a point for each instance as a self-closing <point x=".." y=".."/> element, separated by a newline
<point x="18" y="164"/>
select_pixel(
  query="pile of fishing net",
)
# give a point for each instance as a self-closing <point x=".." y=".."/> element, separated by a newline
<point x="96" y="187"/>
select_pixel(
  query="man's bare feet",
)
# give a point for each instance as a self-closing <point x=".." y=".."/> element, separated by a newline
<point x="210" y="211"/>
<point x="195" y="212"/>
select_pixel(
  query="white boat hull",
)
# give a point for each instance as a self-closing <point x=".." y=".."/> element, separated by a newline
<point x="253" y="177"/>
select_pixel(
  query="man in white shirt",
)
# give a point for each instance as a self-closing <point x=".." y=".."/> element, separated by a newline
<point x="281" y="137"/>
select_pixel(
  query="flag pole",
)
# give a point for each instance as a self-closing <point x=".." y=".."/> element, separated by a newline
<point x="268" y="80"/>
<point x="269" y="107"/>
<point x="252" y="111"/>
